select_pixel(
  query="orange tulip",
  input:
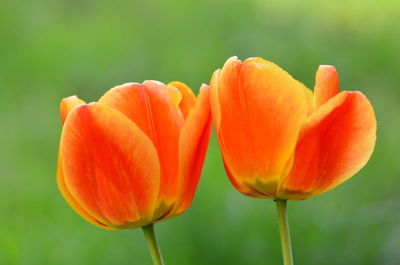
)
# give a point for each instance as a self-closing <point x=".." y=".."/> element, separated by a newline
<point x="134" y="157"/>
<point x="280" y="140"/>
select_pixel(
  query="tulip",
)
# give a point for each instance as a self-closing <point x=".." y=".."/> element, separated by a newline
<point x="280" y="140"/>
<point x="135" y="157"/>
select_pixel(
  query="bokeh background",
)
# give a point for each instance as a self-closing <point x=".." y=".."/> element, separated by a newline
<point x="52" y="49"/>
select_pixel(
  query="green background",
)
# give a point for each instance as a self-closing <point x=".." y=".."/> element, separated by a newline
<point x="53" y="49"/>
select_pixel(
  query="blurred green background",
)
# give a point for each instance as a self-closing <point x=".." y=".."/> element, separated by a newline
<point x="53" y="49"/>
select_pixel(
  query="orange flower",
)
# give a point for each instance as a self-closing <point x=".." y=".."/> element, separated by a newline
<point x="279" y="139"/>
<point x="134" y="157"/>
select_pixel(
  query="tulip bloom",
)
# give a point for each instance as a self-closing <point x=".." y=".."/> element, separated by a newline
<point x="280" y="140"/>
<point x="134" y="157"/>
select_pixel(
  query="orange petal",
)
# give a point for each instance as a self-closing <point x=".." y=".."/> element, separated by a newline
<point x="244" y="188"/>
<point x="214" y="100"/>
<point x="67" y="104"/>
<point x="188" y="98"/>
<point x="193" y="144"/>
<point x="326" y="84"/>
<point x="110" y="166"/>
<point x="262" y="109"/>
<point x="71" y="201"/>
<point x="336" y="142"/>
<point x="150" y="107"/>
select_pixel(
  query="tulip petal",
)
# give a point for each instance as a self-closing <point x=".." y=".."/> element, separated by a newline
<point x="67" y="104"/>
<point x="335" y="143"/>
<point x="71" y="201"/>
<point x="244" y="188"/>
<point x="151" y="107"/>
<point x="326" y="84"/>
<point x="261" y="111"/>
<point x="214" y="100"/>
<point x="188" y="98"/>
<point x="193" y="144"/>
<point x="110" y="166"/>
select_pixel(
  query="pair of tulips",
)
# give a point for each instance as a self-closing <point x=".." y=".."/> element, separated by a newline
<point x="135" y="157"/>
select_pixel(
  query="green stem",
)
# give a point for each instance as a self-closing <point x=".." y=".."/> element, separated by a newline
<point x="150" y="235"/>
<point x="281" y="209"/>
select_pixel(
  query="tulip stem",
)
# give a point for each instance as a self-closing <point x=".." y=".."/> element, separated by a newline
<point x="155" y="252"/>
<point x="281" y="209"/>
